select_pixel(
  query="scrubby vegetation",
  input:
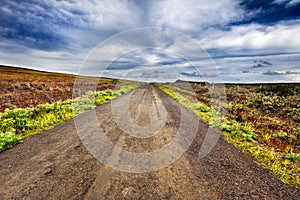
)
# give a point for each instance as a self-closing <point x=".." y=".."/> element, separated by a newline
<point x="23" y="88"/>
<point x="18" y="124"/>
<point x="260" y="119"/>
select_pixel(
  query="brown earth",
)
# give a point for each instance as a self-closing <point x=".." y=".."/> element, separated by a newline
<point x="271" y="109"/>
<point x="56" y="165"/>
<point x="22" y="88"/>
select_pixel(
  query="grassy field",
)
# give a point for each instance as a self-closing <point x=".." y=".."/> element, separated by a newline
<point x="262" y="120"/>
<point x="33" y="101"/>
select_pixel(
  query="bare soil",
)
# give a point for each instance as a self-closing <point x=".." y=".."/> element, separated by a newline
<point x="56" y="165"/>
<point x="22" y="88"/>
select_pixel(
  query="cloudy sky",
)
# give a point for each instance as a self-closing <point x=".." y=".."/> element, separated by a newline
<point x="237" y="41"/>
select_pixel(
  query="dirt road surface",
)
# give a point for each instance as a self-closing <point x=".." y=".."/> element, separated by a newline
<point x="56" y="165"/>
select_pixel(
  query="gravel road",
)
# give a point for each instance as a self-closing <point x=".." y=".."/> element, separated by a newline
<point x="56" y="165"/>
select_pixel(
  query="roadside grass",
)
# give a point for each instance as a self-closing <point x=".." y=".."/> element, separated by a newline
<point x="284" y="164"/>
<point x="20" y="123"/>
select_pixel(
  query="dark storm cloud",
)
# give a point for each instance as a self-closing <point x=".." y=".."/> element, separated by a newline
<point x="146" y="57"/>
<point x="31" y="24"/>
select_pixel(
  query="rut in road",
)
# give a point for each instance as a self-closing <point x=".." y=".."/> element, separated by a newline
<point x="56" y="165"/>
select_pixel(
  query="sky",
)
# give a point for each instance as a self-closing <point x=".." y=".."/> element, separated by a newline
<point x="155" y="40"/>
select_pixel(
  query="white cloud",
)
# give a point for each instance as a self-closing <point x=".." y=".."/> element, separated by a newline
<point x="293" y="2"/>
<point x="289" y="2"/>
<point x="81" y="25"/>
<point x="282" y="37"/>
<point x="103" y="15"/>
<point x="194" y="15"/>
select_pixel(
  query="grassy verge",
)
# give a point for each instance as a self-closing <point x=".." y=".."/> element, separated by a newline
<point x="242" y="135"/>
<point x="20" y="123"/>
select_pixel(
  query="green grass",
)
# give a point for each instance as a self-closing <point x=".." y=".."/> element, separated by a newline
<point x="284" y="165"/>
<point x="20" y="123"/>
